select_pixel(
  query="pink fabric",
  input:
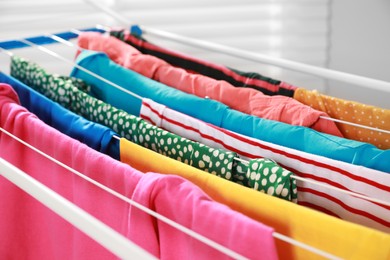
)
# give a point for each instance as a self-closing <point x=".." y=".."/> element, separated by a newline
<point x="28" y="230"/>
<point x="193" y="209"/>
<point x="250" y="101"/>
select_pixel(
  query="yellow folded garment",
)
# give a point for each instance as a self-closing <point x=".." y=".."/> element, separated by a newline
<point x="352" y="112"/>
<point x="330" y="234"/>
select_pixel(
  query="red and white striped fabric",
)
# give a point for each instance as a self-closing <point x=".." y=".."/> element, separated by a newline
<point x="358" y="179"/>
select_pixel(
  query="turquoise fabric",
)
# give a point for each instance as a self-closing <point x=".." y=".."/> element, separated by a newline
<point x="296" y="137"/>
<point x="145" y="87"/>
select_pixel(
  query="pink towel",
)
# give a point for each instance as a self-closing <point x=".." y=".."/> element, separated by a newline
<point x="28" y="230"/>
<point x="250" y="101"/>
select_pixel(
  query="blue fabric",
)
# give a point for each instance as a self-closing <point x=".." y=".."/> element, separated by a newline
<point x="42" y="40"/>
<point x="296" y="137"/>
<point x="94" y="135"/>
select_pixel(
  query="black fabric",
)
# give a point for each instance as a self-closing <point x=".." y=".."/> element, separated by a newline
<point x="206" y="70"/>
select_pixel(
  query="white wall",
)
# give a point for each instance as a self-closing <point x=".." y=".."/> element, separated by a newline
<point x="360" y="44"/>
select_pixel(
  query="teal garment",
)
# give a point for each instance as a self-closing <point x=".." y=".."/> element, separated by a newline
<point x="210" y="111"/>
<point x="144" y="87"/>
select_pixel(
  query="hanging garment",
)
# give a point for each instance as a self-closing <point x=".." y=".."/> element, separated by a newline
<point x="96" y="136"/>
<point x="308" y="226"/>
<point x="237" y="78"/>
<point x="338" y="174"/>
<point x="192" y="208"/>
<point x="210" y="111"/>
<point x="249" y="101"/>
<point x="25" y="237"/>
<point x="215" y="161"/>
<point x="28" y="229"/>
<point x="353" y="112"/>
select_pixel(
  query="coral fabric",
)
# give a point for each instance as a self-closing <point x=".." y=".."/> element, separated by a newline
<point x="353" y="112"/>
<point x="338" y="237"/>
<point x="249" y="101"/>
<point x="195" y="65"/>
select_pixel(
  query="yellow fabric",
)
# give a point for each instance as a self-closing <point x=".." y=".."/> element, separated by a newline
<point x="352" y="112"/>
<point x="338" y="237"/>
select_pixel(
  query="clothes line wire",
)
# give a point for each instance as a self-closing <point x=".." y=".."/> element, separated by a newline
<point x="163" y="218"/>
<point x="137" y="96"/>
<point x="133" y="203"/>
<point x="354" y="124"/>
<point x="43" y="40"/>
<point x="52" y="53"/>
<point x="247" y="55"/>
<point x="91" y="226"/>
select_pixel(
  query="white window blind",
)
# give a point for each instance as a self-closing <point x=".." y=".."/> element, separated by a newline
<point x="296" y="30"/>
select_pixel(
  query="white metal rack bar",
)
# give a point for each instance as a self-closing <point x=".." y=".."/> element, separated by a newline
<point x="94" y="228"/>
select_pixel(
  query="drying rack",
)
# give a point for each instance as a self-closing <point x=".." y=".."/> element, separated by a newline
<point x="91" y="226"/>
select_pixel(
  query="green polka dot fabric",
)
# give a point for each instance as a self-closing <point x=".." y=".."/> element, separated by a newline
<point x="71" y="93"/>
<point x="65" y="91"/>
<point x="267" y="176"/>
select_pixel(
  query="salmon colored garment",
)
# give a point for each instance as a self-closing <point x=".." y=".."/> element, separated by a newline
<point x="333" y="235"/>
<point x="249" y="101"/>
<point x="352" y="112"/>
<point x="195" y="65"/>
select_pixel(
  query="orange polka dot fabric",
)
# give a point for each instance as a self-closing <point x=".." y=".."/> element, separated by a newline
<point x="353" y="112"/>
